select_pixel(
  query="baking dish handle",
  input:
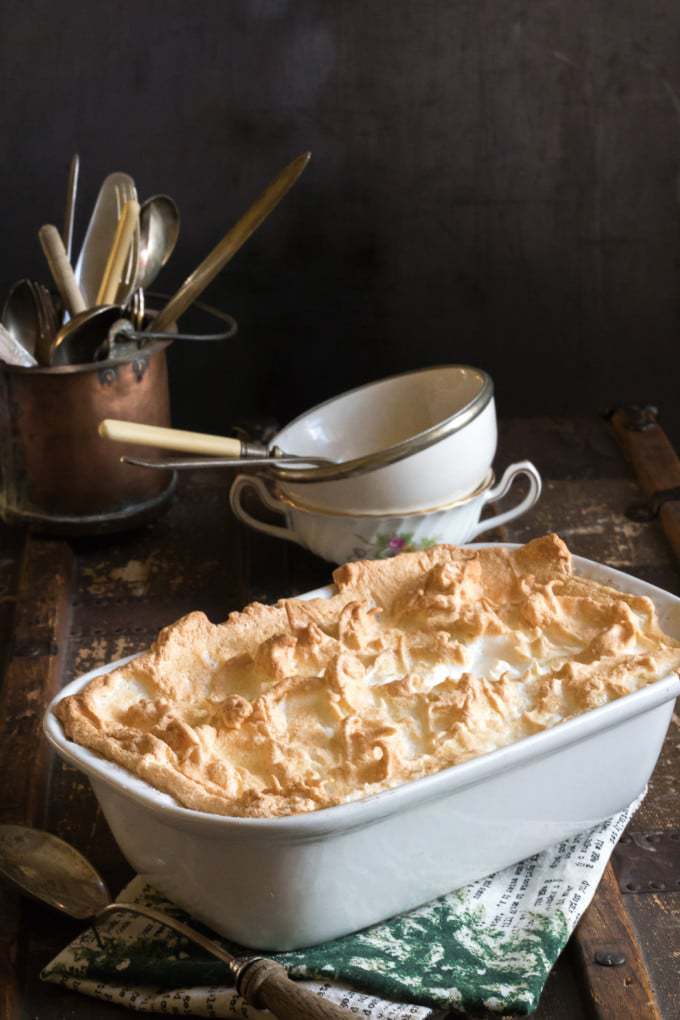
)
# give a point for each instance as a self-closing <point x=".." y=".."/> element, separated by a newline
<point x="243" y="482"/>
<point x="522" y="467"/>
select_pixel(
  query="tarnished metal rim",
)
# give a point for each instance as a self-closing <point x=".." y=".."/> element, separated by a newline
<point x="147" y="351"/>
<point x="294" y="504"/>
<point x="90" y="366"/>
<point x="391" y="454"/>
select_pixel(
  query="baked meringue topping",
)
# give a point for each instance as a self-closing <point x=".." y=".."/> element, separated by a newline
<point x="417" y="663"/>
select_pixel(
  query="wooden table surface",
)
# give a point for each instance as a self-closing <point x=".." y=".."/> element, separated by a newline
<point x="66" y="607"/>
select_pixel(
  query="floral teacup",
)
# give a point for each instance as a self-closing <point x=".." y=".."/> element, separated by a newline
<point x="340" y="537"/>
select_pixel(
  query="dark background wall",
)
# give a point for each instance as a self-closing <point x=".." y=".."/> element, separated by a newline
<point x="493" y="182"/>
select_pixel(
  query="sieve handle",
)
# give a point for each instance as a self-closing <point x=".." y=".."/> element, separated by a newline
<point x="170" y="439"/>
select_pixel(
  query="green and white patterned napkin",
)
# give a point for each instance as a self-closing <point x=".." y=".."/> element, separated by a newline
<point x="488" y="946"/>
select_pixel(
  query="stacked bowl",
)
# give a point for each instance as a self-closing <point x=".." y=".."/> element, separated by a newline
<point x="409" y="466"/>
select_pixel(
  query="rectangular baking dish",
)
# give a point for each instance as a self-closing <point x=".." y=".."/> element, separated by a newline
<point x="285" y="883"/>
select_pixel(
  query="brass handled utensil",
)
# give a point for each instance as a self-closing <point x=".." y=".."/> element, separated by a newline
<point x="51" y="870"/>
<point x="230" y="243"/>
<point x="120" y="249"/>
<point x="60" y="267"/>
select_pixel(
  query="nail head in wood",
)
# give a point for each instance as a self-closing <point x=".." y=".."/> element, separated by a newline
<point x="609" y="958"/>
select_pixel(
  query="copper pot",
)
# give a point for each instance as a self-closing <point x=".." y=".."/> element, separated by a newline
<point x="56" y="473"/>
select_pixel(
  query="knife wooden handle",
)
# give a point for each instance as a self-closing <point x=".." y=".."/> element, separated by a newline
<point x="169" y="439"/>
<point x="61" y="269"/>
<point x="113" y="271"/>
<point x="265" y="985"/>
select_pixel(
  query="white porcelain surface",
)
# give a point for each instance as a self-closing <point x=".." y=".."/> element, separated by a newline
<point x="383" y="414"/>
<point x="344" y="538"/>
<point x="283" y="883"/>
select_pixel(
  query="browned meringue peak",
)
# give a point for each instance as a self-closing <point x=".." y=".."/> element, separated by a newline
<point x="416" y="663"/>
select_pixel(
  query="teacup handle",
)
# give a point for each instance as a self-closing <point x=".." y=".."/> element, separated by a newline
<point x="523" y="467"/>
<point x="243" y="482"/>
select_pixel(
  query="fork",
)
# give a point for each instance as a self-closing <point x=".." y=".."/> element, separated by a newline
<point x="47" y="320"/>
<point x="125" y="193"/>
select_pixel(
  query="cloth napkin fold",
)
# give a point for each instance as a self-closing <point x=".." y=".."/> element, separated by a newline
<point x="489" y="946"/>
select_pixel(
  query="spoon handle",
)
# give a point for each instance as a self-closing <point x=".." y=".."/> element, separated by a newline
<point x="70" y="211"/>
<point x="262" y="983"/>
<point x="60" y="267"/>
<point x="230" y="243"/>
<point x="113" y="271"/>
<point x="169" y="439"/>
<point x="265" y="985"/>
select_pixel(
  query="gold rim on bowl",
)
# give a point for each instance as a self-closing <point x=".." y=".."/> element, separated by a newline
<point x="296" y="504"/>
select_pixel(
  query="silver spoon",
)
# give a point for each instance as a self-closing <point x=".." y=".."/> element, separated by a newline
<point x="159" y="224"/>
<point x="53" y="871"/>
<point x="21" y="316"/>
<point x="158" y="232"/>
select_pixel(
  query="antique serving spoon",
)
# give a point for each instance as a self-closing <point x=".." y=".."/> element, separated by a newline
<point x="159" y="223"/>
<point x="53" y="871"/>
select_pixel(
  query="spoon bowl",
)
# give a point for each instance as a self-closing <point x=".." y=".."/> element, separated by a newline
<point x="21" y="316"/>
<point x="50" y="870"/>
<point x="159" y="224"/>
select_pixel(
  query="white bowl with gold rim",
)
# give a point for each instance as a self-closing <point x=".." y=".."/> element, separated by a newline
<point x="408" y="442"/>
<point x="343" y="536"/>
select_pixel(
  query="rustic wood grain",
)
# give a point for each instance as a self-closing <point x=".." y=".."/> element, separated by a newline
<point x="656" y="919"/>
<point x="32" y="678"/>
<point x="618" y="992"/>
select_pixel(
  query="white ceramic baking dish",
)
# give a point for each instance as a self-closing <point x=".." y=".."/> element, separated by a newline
<point x="284" y="883"/>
